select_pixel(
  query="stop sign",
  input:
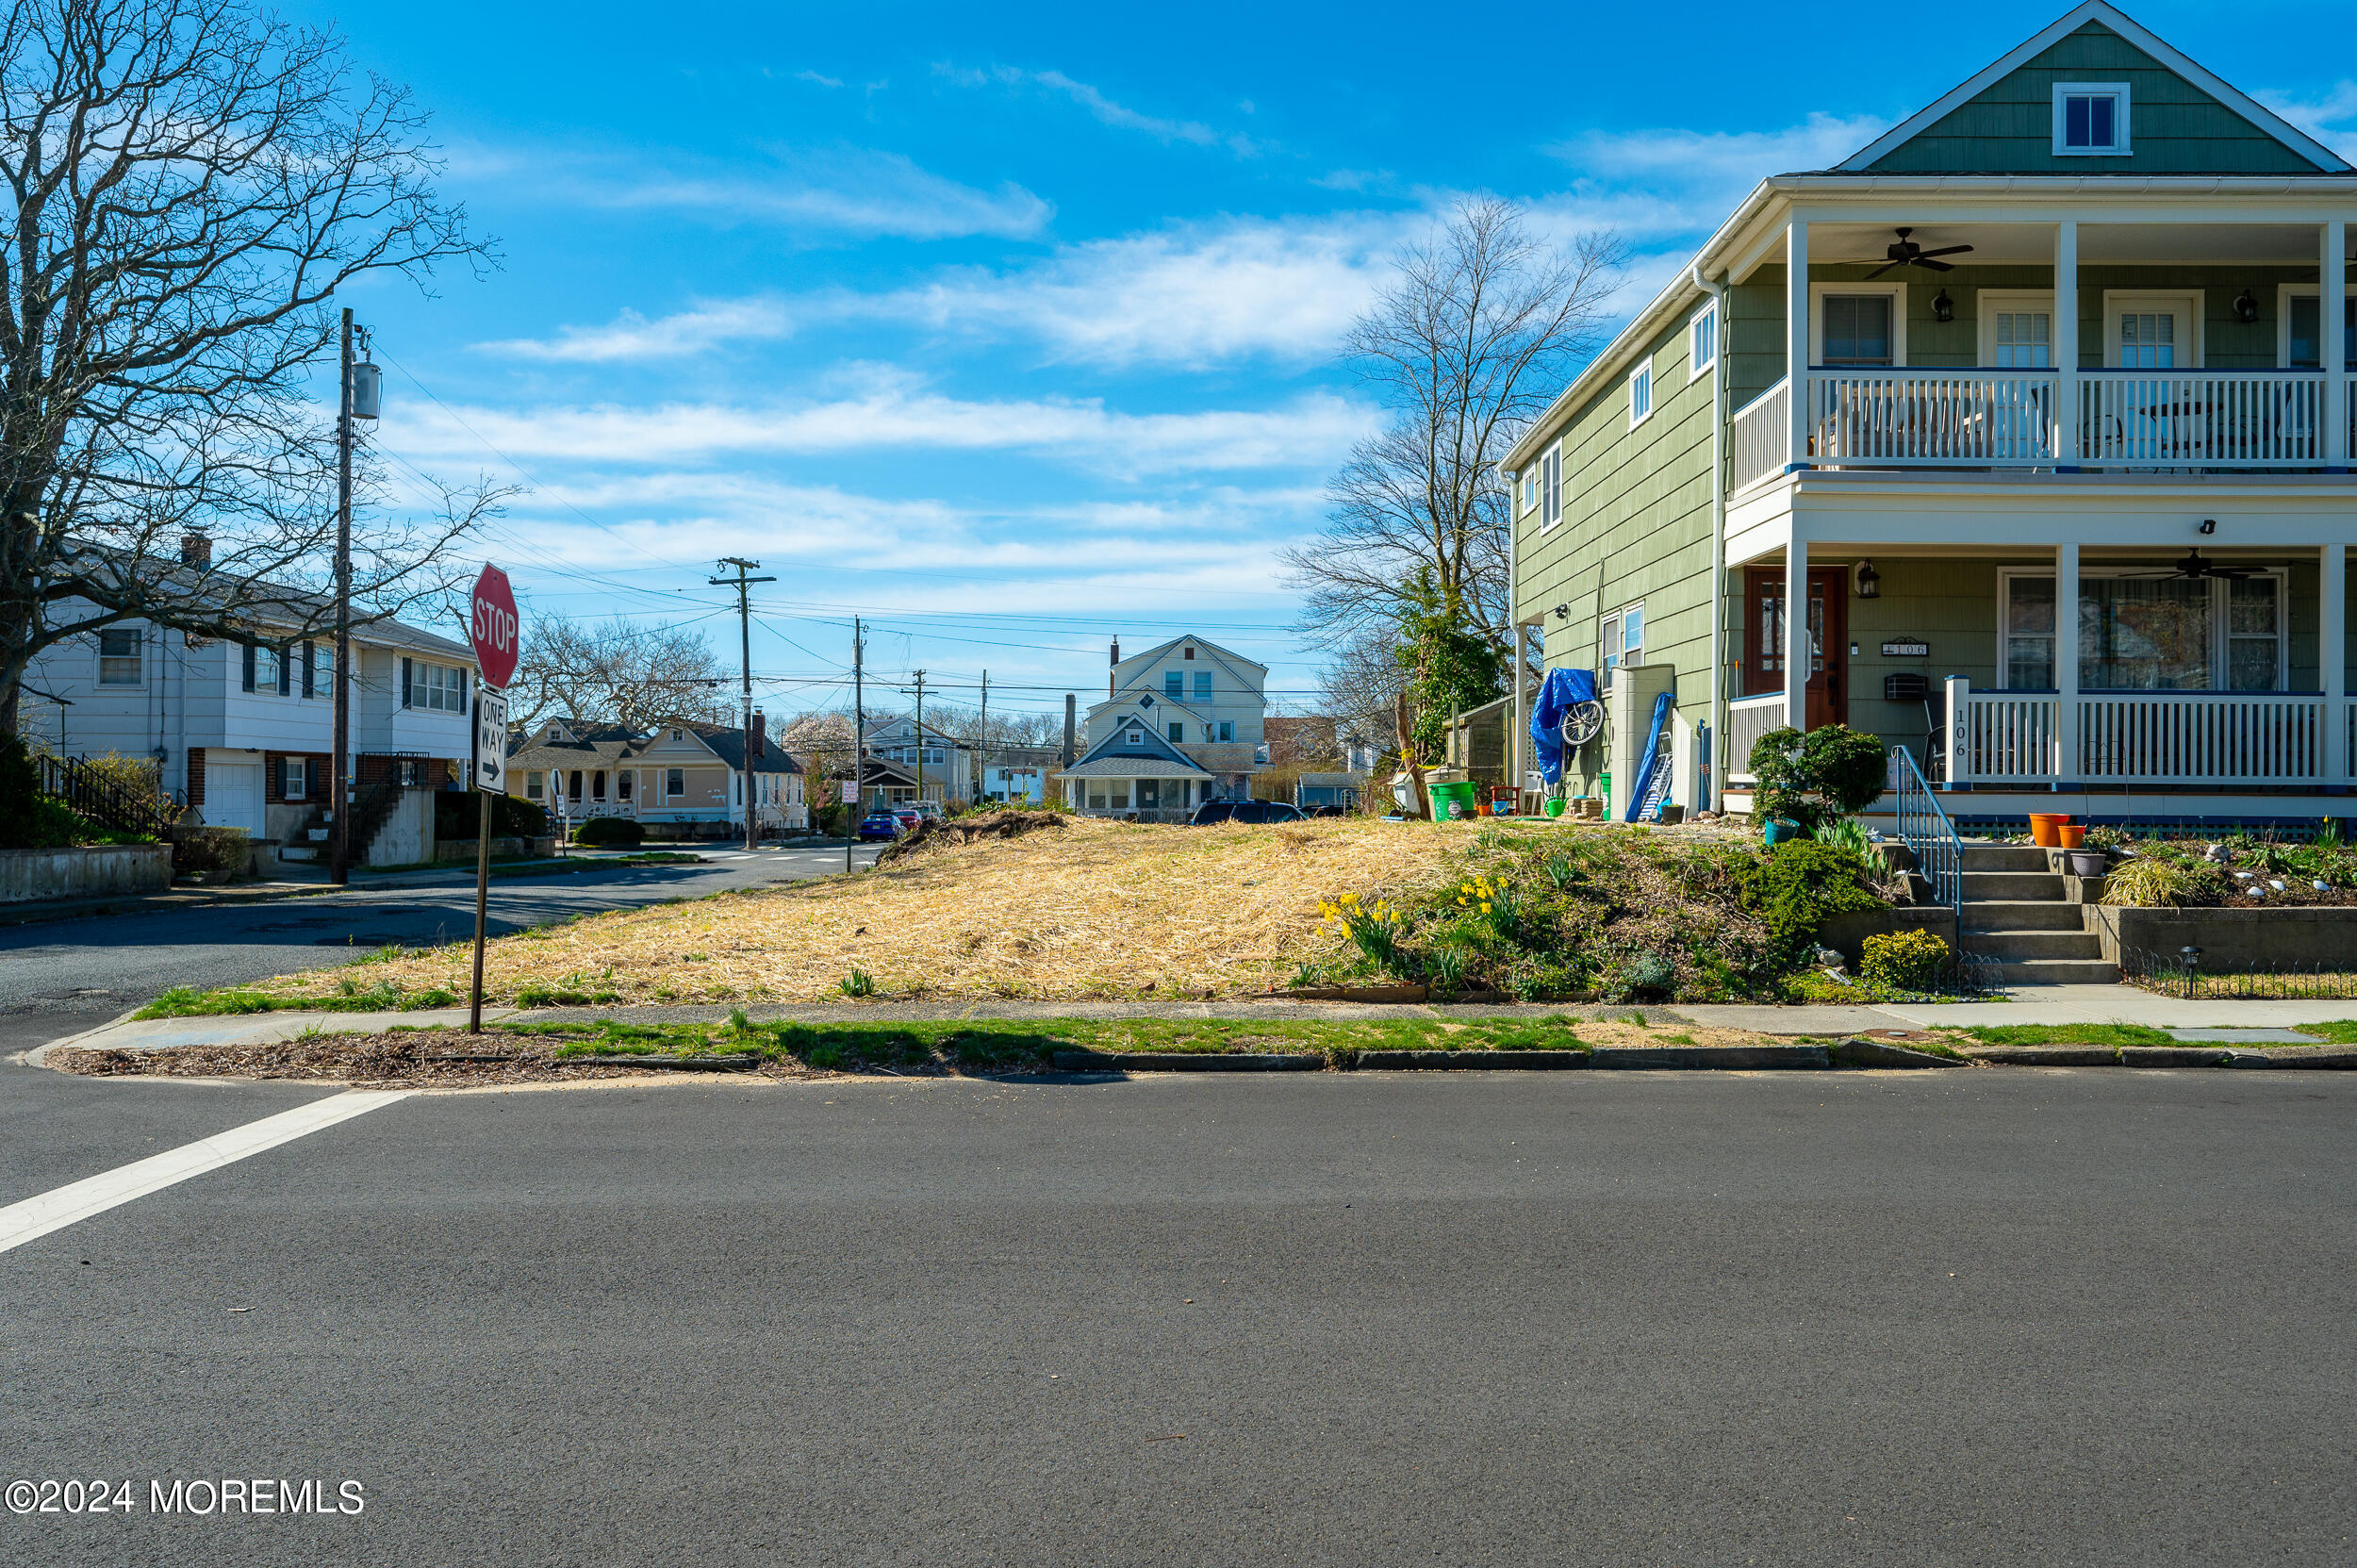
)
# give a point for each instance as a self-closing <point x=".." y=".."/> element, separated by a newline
<point x="492" y="626"/>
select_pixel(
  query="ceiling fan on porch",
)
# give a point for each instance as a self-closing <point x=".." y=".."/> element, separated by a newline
<point x="2193" y="568"/>
<point x="1906" y="253"/>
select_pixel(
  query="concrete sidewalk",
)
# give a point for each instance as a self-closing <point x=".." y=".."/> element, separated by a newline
<point x="2224" y="1022"/>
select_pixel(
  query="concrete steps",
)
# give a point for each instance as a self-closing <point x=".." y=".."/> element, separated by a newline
<point x="2017" y="920"/>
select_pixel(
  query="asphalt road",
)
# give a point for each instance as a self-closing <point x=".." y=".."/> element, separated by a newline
<point x="1964" y="1317"/>
<point x="59" y="979"/>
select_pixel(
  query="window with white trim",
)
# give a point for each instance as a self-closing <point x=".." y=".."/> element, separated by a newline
<point x="1550" y="487"/>
<point x="674" y="782"/>
<point x="534" y="786"/>
<point x="436" y="688"/>
<point x="2141" y="632"/>
<point x="1640" y="393"/>
<point x="119" y="655"/>
<point x="1621" y="639"/>
<point x="1702" y="340"/>
<point x="1858" y="329"/>
<point x="2301" y="330"/>
<point x="294" y="779"/>
<point x="2090" y="118"/>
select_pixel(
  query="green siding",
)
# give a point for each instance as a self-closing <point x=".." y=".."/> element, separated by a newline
<point x="1636" y="526"/>
<point x="1755" y="313"/>
<point x="2174" y="128"/>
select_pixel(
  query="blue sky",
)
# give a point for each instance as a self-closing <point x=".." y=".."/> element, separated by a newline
<point x="1014" y="329"/>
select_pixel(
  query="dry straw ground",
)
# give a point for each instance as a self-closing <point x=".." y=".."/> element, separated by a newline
<point x="1084" y="909"/>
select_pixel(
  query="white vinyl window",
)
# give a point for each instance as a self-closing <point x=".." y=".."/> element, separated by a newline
<point x="2091" y="119"/>
<point x="436" y="687"/>
<point x="1550" y="487"/>
<point x="1640" y="393"/>
<point x="2300" y="329"/>
<point x="2148" y="630"/>
<point x="1622" y="640"/>
<point x="119" y="655"/>
<point x="1860" y="324"/>
<point x="674" y="782"/>
<point x="1702" y="341"/>
<point x="534" y="788"/>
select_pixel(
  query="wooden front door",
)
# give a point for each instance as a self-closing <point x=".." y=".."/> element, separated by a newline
<point x="1828" y="632"/>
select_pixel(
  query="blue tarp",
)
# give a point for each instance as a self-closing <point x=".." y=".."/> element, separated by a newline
<point x="1559" y="692"/>
<point x="1652" y="784"/>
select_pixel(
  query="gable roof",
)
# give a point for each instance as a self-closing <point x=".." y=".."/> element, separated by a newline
<point x="2092" y="20"/>
<point x="1219" y="655"/>
<point x="1150" y="746"/>
<point x="729" y="746"/>
<point x="1150" y="705"/>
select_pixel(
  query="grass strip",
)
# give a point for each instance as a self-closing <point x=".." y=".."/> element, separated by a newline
<point x="2340" y="1031"/>
<point x="2073" y="1034"/>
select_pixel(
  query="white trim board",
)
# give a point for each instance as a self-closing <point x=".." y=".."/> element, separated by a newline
<point x="2053" y="33"/>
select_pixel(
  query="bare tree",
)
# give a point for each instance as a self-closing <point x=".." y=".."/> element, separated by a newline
<point x="620" y="673"/>
<point x="189" y="182"/>
<point x="1484" y="325"/>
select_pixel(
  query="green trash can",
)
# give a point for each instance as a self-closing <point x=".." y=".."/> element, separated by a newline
<point x="1452" y="801"/>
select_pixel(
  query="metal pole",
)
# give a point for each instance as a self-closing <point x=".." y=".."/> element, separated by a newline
<point x="851" y="817"/>
<point x="482" y="904"/>
<point x="985" y="737"/>
<point x="340" y="830"/>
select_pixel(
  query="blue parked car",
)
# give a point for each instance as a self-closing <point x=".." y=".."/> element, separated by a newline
<point x="878" y="824"/>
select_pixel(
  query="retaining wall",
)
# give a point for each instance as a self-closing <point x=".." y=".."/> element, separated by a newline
<point x="28" y="874"/>
<point x="2290" y="939"/>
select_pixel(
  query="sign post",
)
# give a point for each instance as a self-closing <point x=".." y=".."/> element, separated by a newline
<point x="491" y="627"/>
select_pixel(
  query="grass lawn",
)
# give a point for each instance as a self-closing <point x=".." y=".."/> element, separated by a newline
<point x="1086" y="909"/>
<point x="2340" y="1031"/>
<point x="2073" y="1034"/>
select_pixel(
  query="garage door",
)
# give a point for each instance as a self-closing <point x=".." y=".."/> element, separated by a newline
<point x="233" y="795"/>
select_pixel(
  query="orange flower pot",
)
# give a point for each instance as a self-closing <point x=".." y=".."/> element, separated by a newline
<point x="2044" y="826"/>
<point x="2069" y="837"/>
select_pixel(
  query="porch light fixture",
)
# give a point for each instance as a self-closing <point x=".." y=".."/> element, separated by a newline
<point x="1562" y="612"/>
<point x="2245" y="308"/>
<point x="1943" y="309"/>
<point x="1870" y="581"/>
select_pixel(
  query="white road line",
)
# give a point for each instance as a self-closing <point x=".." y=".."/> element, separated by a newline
<point x="54" y="1210"/>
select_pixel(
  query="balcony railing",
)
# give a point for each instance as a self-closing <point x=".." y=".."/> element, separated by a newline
<point x="2214" y="739"/>
<point x="2203" y="419"/>
<point x="1748" y="719"/>
<point x="2017" y="418"/>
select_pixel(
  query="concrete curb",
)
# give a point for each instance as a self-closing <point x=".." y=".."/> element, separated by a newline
<point x="1722" y="1058"/>
<point x="2046" y="1056"/>
<point x="1882" y="1053"/>
<point x="1181" y="1062"/>
<point x="2175" y="1056"/>
<point x="1474" y="1061"/>
<point x="2313" y="1061"/>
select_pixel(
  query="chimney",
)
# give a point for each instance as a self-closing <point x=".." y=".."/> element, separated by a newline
<point x="757" y="743"/>
<point x="196" y="550"/>
<point x="1109" y="671"/>
<point x="1071" y="706"/>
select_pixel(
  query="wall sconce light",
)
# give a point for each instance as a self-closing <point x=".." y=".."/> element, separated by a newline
<point x="1870" y="581"/>
<point x="1562" y="612"/>
<point x="1943" y="309"/>
<point x="2209" y="525"/>
<point x="2245" y="308"/>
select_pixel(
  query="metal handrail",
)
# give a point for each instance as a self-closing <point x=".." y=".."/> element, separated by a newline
<point x="1927" y="833"/>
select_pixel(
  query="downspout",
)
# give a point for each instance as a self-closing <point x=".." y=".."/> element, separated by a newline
<point x="1719" y="762"/>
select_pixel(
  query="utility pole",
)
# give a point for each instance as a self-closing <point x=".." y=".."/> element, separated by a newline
<point x="742" y="584"/>
<point x="859" y="745"/>
<point x="985" y="737"/>
<point x="920" y="739"/>
<point x="339" y="831"/>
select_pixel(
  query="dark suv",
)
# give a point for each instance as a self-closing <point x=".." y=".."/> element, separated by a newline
<point x="1242" y="811"/>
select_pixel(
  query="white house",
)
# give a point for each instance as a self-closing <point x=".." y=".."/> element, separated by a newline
<point x="906" y="762"/>
<point x="1206" y="701"/>
<point x="1136" y="771"/>
<point x="686" y="776"/>
<point x="244" y="730"/>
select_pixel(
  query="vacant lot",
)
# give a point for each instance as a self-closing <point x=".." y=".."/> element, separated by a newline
<point x="1080" y="909"/>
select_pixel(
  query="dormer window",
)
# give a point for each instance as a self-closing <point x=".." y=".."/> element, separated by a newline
<point x="1136" y="738"/>
<point x="2090" y="118"/>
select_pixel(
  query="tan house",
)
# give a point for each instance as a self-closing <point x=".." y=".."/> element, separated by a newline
<point x="690" y="776"/>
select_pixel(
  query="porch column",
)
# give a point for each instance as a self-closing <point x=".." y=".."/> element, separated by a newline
<point x="1514" y="715"/>
<point x="2333" y="284"/>
<point x="2332" y="661"/>
<point x="2066" y="665"/>
<point x="2067" y="424"/>
<point x="1796" y="336"/>
<point x="1796" y="645"/>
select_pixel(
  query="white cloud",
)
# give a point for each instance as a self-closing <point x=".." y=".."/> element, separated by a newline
<point x="1191" y="295"/>
<point x="895" y="413"/>
<point x="857" y="191"/>
<point x="2331" y="116"/>
<point x="814" y="77"/>
<point x="1105" y="109"/>
<point x="631" y="336"/>
<point x="1670" y="182"/>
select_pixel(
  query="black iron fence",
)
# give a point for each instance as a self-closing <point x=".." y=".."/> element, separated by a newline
<point x="108" y="794"/>
<point x="2182" y="975"/>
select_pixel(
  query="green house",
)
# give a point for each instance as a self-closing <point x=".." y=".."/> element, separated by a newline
<point x="2037" y="406"/>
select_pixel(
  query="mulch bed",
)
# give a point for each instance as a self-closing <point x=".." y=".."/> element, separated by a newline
<point x="436" y="1060"/>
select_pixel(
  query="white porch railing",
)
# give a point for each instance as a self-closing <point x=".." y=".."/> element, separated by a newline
<point x="2004" y="737"/>
<point x="2203" y="419"/>
<point x="1931" y="417"/>
<point x="1763" y="435"/>
<point x="2175" y="738"/>
<point x="2224" y="739"/>
<point x="1748" y="719"/>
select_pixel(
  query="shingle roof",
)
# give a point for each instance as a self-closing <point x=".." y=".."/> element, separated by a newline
<point x="730" y="747"/>
<point x="1133" y="767"/>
